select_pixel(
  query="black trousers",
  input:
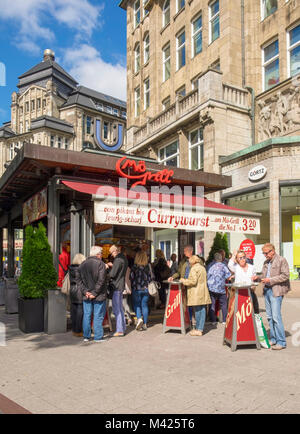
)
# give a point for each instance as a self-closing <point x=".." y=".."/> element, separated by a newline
<point x="255" y="302"/>
<point x="76" y="317"/>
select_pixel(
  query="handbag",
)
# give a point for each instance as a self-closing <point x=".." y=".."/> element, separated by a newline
<point x="110" y="290"/>
<point x="153" y="286"/>
<point x="65" y="289"/>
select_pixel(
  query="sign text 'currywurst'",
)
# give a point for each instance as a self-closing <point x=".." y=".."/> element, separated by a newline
<point x="141" y="175"/>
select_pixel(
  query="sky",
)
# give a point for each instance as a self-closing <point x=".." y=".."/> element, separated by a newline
<point x="87" y="36"/>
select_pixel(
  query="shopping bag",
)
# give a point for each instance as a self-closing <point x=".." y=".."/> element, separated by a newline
<point x="262" y="334"/>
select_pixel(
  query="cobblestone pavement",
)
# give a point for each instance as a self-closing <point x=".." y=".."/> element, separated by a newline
<point x="150" y="372"/>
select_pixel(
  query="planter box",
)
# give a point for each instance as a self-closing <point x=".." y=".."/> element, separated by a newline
<point x="11" y="295"/>
<point x="55" y="312"/>
<point x="2" y="292"/>
<point x="31" y="315"/>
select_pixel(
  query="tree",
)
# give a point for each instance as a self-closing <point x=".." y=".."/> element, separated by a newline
<point x="216" y="247"/>
<point x="38" y="272"/>
<point x="225" y="245"/>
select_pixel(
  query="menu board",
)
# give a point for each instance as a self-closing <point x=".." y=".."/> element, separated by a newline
<point x="35" y="208"/>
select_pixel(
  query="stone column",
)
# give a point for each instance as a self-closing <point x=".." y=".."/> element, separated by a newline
<point x="275" y="215"/>
<point x="53" y="220"/>
<point x="1" y="252"/>
<point x="75" y="234"/>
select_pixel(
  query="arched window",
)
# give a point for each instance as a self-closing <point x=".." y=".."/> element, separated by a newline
<point x="137" y="58"/>
<point x="146" y="48"/>
<point x="166" y="13"/>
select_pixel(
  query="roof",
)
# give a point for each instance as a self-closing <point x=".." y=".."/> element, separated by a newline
<point x="85" y="96"/>
<point x="6" y="132"/>
<point x="51" y="122"/>
<point x="47" y="64"/>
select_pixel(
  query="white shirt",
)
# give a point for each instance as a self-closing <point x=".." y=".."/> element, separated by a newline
<point x="241" y="276"/>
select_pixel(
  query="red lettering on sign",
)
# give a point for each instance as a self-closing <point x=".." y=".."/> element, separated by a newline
<point x="139" y="167"/>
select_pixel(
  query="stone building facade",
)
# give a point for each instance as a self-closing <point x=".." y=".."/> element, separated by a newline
<point x="208" y="79"/>
<point x="50" y="109"/>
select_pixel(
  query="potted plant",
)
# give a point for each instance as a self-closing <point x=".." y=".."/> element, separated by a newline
<point x="38" y="275"/>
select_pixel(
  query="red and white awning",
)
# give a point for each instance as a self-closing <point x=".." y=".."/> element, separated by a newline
<point x="118" y="206"/>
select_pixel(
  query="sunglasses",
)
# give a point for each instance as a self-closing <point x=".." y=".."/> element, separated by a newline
<point x="241" y="257"/>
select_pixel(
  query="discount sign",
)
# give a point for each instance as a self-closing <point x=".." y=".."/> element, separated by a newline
<point x="248" y="247"/>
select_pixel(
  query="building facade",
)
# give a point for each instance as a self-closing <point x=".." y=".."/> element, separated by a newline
<point x="212" y="80"/>
<point x="50" y="109"/>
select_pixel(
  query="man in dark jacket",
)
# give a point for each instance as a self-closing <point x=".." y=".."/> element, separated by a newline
<point x="117" y="276"/>
<point x="92" y="274"/>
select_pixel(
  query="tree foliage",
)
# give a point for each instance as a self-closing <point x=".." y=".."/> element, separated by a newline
<point x="220" y="243"/>
<point x="38" y="272"/>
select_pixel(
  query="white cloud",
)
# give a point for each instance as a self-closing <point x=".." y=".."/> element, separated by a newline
<point x="86" y="65"/>
<point x="31" y="18"/>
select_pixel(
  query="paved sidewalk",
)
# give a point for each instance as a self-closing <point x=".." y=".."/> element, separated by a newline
<point x="150" y="372"/>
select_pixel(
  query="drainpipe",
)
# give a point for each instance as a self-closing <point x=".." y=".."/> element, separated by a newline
<point x="250" y="89"/>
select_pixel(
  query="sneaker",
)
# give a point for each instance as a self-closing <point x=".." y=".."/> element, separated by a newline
<point x="86" y="340"/>
<point x="196" y="332"/>
<point x="139" y="324"/>
<point x="100" y="340"/>
<point x="277" y="347"/>
<point x="118" y="334"/>
<point x="144" y="327"/>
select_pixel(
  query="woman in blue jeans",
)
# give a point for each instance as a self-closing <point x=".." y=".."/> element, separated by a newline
<point x="140" y="277"/>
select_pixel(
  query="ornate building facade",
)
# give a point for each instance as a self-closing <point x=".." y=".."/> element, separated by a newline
<point x="211" y="82"/>
<point x="50" y="109"/>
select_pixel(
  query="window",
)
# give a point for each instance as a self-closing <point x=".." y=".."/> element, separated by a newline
<point x="166" y="63"/>
<point x="195" y="83"/>
<point x="59" y="142"/>
<point x="21" y="127"/>
<point x="27" y="106"/>
<point x="137" y="13"/>
<point x="146" y="93"/>
<point x="32" y="105"/>
<point x="180" y="48"/>
<point x="145" y="11"/>
<point x="294" y="51"/>
<point x="137" y="58"/>
<point x="146" y="48"/>
<point x="21" y="111"/>
<point x="106" y="130"/>
<point x="124" y="115"/>
<point x="109" y="109"/>
<point x="268" y="7"/>
<point x="26" y="126"/>
<point x="52" y="141"/>
<point x="166" y="103"/>
<point x="197" y="36"/>
<point x="137" y="101"/>
<point x="115" y="112"/>
<point x="181" y="91"/>
<point x="100" y="106"/>
<point x="11" y="151"/>
<point x="38" y="103"/>
<point x="271" y="65"/>
<point x="88" y="125"/>
<point x="169" y="155"/>
<point x="196" y="150"/>
<point x="179" y="4"/>
<point x="216" y="65"/>
<point x="44" y="103"/>
<point x="166" y="13"/>
<point x="214" y="21"/>
<point x="66" y="143"/>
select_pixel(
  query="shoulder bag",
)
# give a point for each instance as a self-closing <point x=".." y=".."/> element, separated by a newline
<point x="153" y="286"/>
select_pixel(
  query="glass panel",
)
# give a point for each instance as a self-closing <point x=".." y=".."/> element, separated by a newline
<point x="181" y="57"/>
<point x="162" y="154"/>
<point x="172" y="162"/>
<point x="271" y="51"/>
<point x="171" y="149"/>
<point x="272" y="74"/>
<point x="198" y="43"/>
<point x="295" y="35"/>
<point x="197" y="24"/>
<point x="295" y="61"/>
<point x="215" y="28"/>
<point x="195" y="158"/>
<point x="215" y="8"/>
<point x="194" y="137"/>
<point x="167" y="70"/>
<point x="270" y="7"/>
<point x="181" y="39"/>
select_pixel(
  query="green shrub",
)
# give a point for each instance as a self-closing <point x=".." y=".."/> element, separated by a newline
<point x="38" y="273"/>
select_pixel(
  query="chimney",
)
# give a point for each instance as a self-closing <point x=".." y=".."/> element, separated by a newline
<point x="49" y="55"/>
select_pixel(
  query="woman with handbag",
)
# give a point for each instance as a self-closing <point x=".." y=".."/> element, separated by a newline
<point x="76" y="295"/>
<point x="140" y="277"/>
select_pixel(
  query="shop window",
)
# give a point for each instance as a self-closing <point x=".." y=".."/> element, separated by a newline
<point x="166" y="13"/>
<point x="214" y="21"/>
<point x="180" y="51"/>
<point x="290" y="228"/>
<point x="268" y="7"/>
<point x="196" y="160"/>
<point x="294" y="50"/>
<point x="258" y="201"/>
<point x="166" y="62"/>
<point x="197" y="36"/>
<point x="271" y="65"/>
<point x="169" y="155"/>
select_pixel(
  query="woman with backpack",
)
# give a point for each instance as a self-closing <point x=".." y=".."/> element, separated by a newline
<point x="140" y="277"/>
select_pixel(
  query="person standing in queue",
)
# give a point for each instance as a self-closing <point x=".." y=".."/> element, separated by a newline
<point x="117" y="277"/>
<point x="161" y="273"/>
<point x="276" y="280"/>
<point x="92" y="280"/>
<point x="197" y="293"/>
<point x="76" y="296"/>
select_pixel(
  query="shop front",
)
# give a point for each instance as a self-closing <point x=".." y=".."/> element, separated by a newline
<point x="87" y="198"/>
<point x="266" y="178"/>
